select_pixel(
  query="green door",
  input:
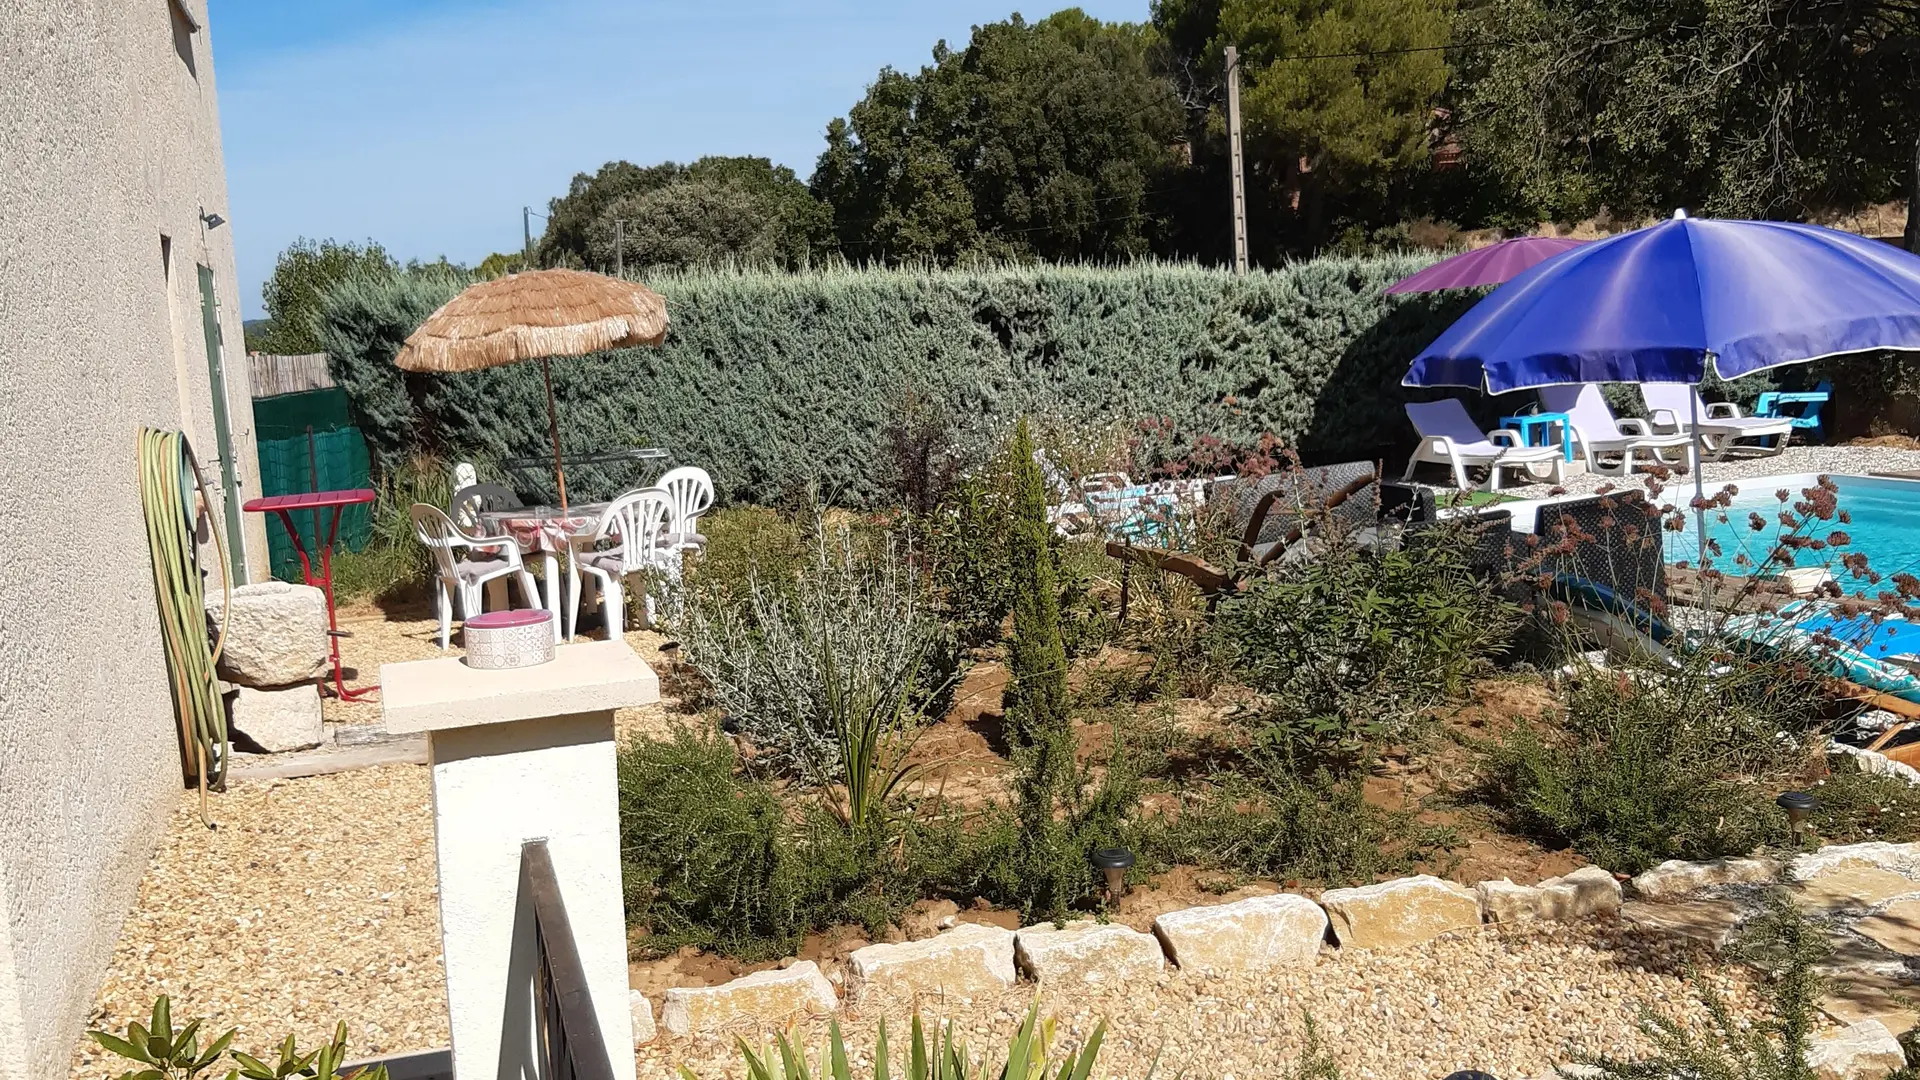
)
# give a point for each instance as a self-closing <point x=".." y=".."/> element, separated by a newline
<point x="222" y="427"/>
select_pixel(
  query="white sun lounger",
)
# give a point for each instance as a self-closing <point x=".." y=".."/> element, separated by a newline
<point x="1598" y="431"/>
<point x="1448" y="436"/>
<point x="1721" y="424"/>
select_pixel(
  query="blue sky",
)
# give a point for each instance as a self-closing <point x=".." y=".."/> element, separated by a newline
<point x="427" y="124"/>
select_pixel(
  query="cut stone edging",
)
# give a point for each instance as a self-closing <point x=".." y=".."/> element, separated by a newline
<point x="1086" y="952"/>
<point x="1404" y="911"/>
<point x="967" y="960"/>
<point x="1676" y="878"/>
<point x="1862" y="1051"/>
<point x="1256" y="934"/>
<point x="642" y="1010"/>
<point x="763" y="995"/>
<point x="1587" y="891"/>
<point x="1877" y="764"/>
<point x="1261" y="932"/>
<point x="1901" y="859"/>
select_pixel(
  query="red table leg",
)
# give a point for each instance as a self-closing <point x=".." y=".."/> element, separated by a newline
<point x="324" y="582"/>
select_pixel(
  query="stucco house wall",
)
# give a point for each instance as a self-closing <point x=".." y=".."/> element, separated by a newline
<point x="109" y="140"/>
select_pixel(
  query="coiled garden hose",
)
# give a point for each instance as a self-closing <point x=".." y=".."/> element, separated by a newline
<point x="169" y="477"/>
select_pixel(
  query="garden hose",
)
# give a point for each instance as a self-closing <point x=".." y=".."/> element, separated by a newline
<point x="169" y="476"/>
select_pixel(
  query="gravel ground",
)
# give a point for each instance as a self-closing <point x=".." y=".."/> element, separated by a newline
<point x="312" y="901"/>
<point x="1513" y="1002"/>
<point x="1855" y="460"/>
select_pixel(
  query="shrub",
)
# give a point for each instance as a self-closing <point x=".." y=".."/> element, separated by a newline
<point x="1656" y="763"/>
<point x="1856" y="805"/>
<point x="1352" y="645"/>
<point x="971" y="566"/>
<point x="843" y="628"/>
<point x="711" y="857"/>
<point x="1269" y="819"/>
<point x="1789" y="947"/>
<point x="744" y="543"/>
<point x="967" y="558"/>
<point x="771" y="379"/>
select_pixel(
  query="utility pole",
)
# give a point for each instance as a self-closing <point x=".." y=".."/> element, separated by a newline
<point x="1233" y="140"/>
<point x="619" y="247"/>
<point x="526" y="238"/>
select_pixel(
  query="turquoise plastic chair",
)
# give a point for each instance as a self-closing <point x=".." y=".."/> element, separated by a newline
<point x="1808" y="418"/>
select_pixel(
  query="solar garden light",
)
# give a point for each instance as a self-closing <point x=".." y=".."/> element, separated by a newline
<point x="1798" y="805"/>
<point x="1114" y="863"/>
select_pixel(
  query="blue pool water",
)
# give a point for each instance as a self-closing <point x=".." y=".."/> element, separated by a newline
<point x="1885" y="526"/>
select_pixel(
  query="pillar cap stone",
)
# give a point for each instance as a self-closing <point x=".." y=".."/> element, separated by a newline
<point x="584" y="677"/>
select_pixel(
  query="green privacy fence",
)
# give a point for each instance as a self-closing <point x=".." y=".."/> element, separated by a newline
<point x="308" y="443"/>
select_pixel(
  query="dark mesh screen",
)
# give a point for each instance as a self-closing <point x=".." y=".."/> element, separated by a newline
<point x="1617" y="542"/>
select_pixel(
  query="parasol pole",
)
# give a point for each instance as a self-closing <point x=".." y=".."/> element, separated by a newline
<point x="553" y="429"/>
<point x="1699" y="487"/>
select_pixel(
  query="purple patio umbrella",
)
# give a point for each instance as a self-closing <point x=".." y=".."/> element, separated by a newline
<point x="1490" y="265"/>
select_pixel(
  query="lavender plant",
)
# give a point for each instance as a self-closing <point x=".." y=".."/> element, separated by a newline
<point x="828" y="667"/>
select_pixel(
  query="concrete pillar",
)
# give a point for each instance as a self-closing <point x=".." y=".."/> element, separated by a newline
<point x="521" y="755"/>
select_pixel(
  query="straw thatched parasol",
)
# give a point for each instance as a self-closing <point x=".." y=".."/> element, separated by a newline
<point x="536" y="315"/>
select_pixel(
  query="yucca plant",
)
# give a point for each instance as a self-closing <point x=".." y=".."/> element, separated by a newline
<point x="944" y="1057"/>
<point x="167" y="1054"/>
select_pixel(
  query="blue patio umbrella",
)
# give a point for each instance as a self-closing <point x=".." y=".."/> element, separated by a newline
<point x="1656" y="304"/>
<point x="1659" y="304"/>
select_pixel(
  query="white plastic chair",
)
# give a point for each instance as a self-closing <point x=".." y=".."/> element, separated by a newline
<point x="468" y="502"/>
<point x="1448" y="436"/>
<point x="464" y="578"/>
<point x="1597" y="431"/>
<point x="691" y="492"/>
<point x="638" y="520"/>
<point x="1673" y="406"/>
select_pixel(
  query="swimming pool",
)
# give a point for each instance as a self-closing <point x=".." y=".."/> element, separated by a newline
<point x="1885" y="524"/>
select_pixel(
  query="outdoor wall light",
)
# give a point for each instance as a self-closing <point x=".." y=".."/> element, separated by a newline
<point x="1114" y="862"/>
<point x="1798" y="805"/>
<point x="211" y="221"/>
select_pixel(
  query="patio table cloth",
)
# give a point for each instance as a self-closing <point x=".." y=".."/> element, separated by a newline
<point x="546" y="531"/>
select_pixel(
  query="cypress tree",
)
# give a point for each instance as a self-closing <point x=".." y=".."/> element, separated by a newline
<point x="1035" y="703"/>
<point x="1036" y="695"/>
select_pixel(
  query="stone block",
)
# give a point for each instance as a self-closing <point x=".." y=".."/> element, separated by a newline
<point x="1901" y="859"/>
<point x="1710" y="922"/>
<point x="276" y="634"/>
<point x="279" y="720"/>
<point x="1895" y="926"/>
<point x="963" y="962"/>
<point x="1404" y="911"/>
<point x="1862" y="1051"/>
<point x="1852" y="886"/>
<point x="1677" y="878"/>
<point x="1086" y="952"/>
<point x="1254" y="934"/>
<point x="643" y="1029"/>
<point x="767" y="997"/>
<point x="1585" y="892"/>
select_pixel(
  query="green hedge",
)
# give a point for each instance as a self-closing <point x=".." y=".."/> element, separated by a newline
<point x="769" y="380"/>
